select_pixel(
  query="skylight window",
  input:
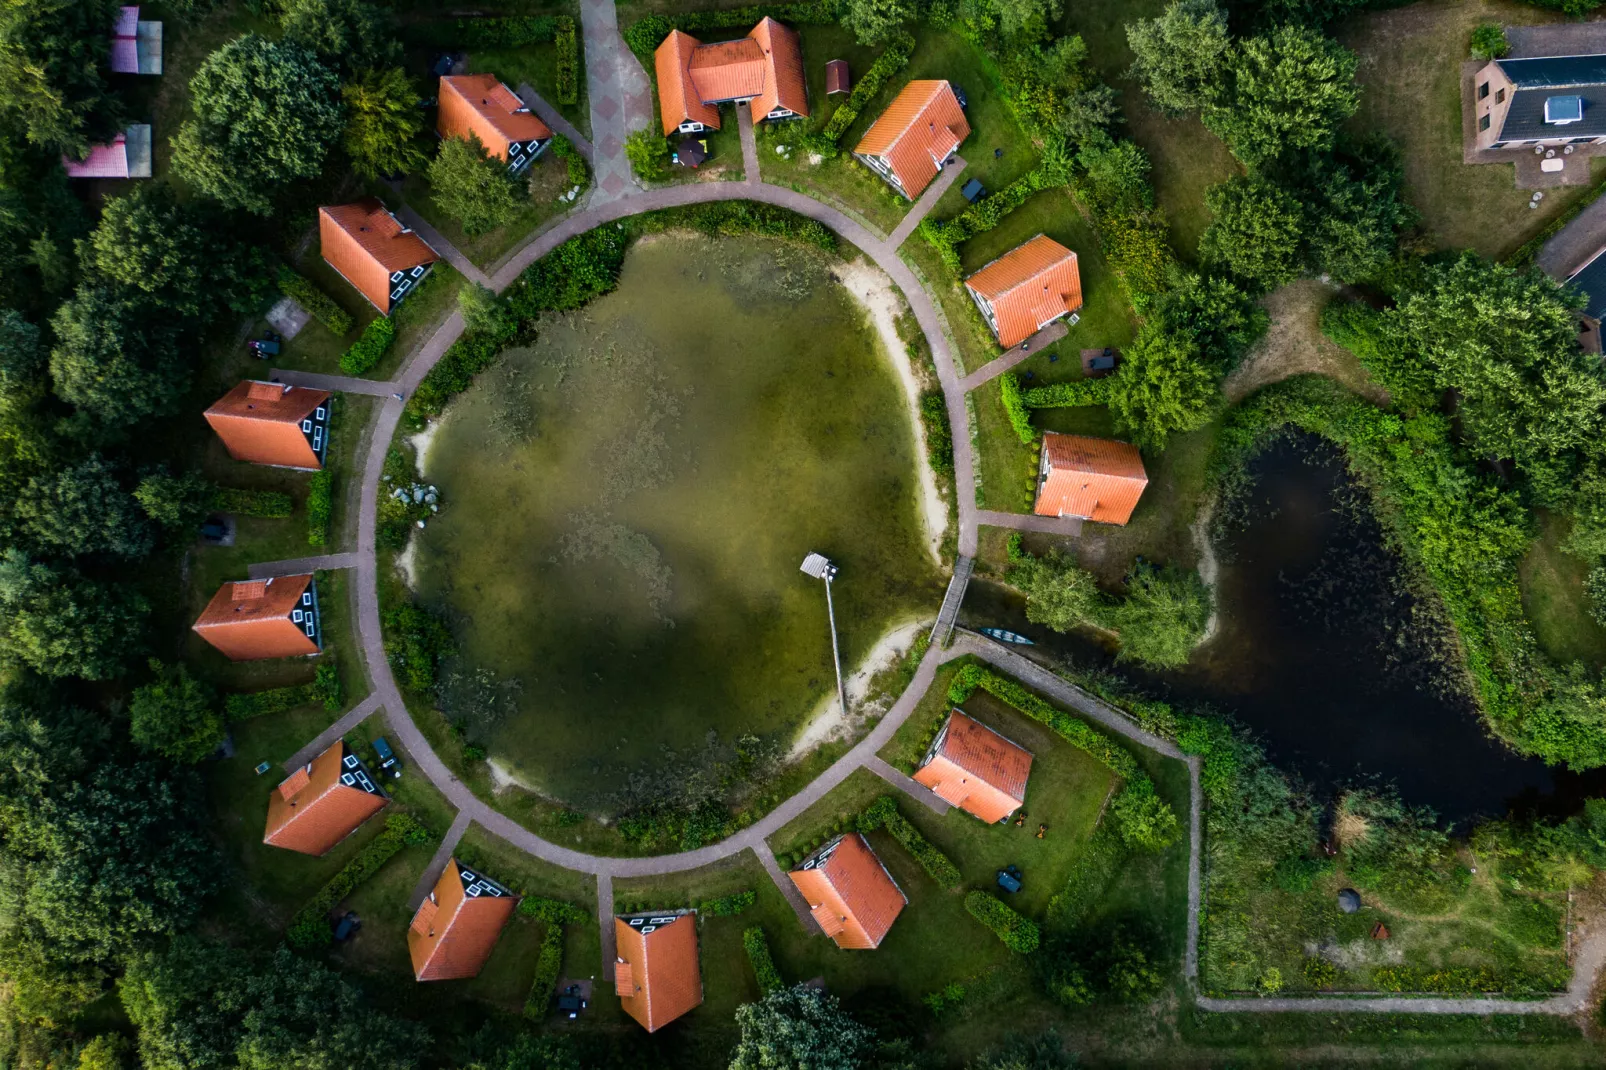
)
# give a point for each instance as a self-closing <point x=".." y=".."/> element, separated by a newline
<point x="1562" y="110"/>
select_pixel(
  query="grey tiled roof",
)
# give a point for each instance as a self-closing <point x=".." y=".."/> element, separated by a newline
<point x="1526" y="119"/>
<point x="1591" y="279"/>
<point x="1555" y="71"/>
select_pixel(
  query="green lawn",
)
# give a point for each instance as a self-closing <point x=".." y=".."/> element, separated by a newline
<point x="1553" y="597"/>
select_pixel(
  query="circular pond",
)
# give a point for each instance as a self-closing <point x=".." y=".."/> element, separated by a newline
<point x="630" y="499"/>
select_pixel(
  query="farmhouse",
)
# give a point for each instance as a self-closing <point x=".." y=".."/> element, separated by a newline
<point x="1026" y="289"/>
<point x="128" y="155"/>
<point x="457" y="926"/>
<point x="480" y="105"/>
<point x="1541" y="100"/>
<point x="322" y="803"/>
<point x="976" y="769"/>
<point x="382" y="259"/>
<point x="765" y="67"/>
<point x="1091" y="478"/>
<point x="850" y="893"/>
<point x="273" y="424"/>
<point x="136" y="45"/>
<point x="656" y="974"/>
<point x="918" y="133"/>
<point x="250" y="620"/>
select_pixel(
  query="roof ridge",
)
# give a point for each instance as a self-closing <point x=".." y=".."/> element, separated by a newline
<point x="898" y="140"/>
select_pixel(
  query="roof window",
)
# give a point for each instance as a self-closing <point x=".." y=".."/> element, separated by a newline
<point x="1559" y="111"/>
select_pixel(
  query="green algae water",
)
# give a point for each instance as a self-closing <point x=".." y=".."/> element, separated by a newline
<point x="629" y="500"/>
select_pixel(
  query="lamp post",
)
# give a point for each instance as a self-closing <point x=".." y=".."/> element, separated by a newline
<point x="819" y="567"/>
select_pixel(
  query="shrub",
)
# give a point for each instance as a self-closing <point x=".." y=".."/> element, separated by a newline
<point x="1067" y="395"/>
<point x="548" y="965"/>
<point x="728" y="906"/>
<point x="758" y="953"/>
<point x="326" y="686"/>
<point x="568" y="62"/>
<point x="318" y="304"/>
<point x="416" y="642"/>
<point x="1018" y="933"/>
<point x="939" y="436"/>
<point x="320" y="506"/>
<point x="883" y="813"/>
<point x="1015" y="408"/>
<point x="888" y="64"/>
<point x="368" y="350"/>
<point x="552" y="911"/>
<point x="310" y="926"/>
<point x="1319" y="973"/>
<point x="648" y="152"/>
<point x="579" y="170"/>
<point x="1489" y="41"/>
<point x="266" y="504"/>
<point x="242" y="707"/>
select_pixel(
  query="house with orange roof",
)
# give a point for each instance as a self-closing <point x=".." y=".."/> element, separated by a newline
<point x="656" y="973"/>
<point x="976" y="769"/>
<point x="1026" y="289"/>
<point x="850" y="894"/>
<point x="322" y="803"/>
<point x="764" y="68"/>
<point x="481" y="105"/>
<point x="273" y="424"/>
<point x="915" y="137"/>
<point x="458" y="924"/>
<point x="1095" y="479"/>
<point x="249" y="620"/>
<point x="382" y="259"/>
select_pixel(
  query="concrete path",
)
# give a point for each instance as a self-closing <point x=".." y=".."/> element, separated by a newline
<point x="610" y="940"/>
<point x="788" y="890"/>
<point x="1036" y="343"/>
<point x="744" y="129"/>
<point x="620" y="96"/>
<point x="928" y="200"/>
<point x="326" y="739"/>
<point x="907" y="784"/>
<point x="1048" y="525"/>
<point x="301" y="566"/>
<point x="437" y="864"/>
<point x="437" y="241"/>
<point x="335" y="384"/>
<point x="554" y="118"/>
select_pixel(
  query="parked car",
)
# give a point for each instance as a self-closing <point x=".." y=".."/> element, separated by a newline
<point x="959" y="95"/>
<point x="571" y="1003"/>
<point x="1009" y="879"/>
<point x="387" y="758"/>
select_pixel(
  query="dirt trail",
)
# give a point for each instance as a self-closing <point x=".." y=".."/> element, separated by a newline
<point x="1294" y="345"/>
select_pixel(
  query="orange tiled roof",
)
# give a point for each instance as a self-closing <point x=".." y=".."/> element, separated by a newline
<point x="1029" y="287"/>
<point x="1093" y="478"/>
<point x="657" y="976"/>
<point x="322" y="803"/>
<point x="261" y="423"/>
<point x="367" y="244"/>
<point x="765" y="66"/>
<point x="850" y="893"/>
<point x="250" y="620"/>
<point x="976" y="769"/>
<point x="457" y="927"/>
<point x="921" y="126"/>
<point x="786" y="85"/>
<point x="727" y="70"/>
<point x="678" y="101"/>
<point x="481" y="105"/>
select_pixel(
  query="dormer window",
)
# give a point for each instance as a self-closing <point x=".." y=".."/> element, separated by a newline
<point x="1559" y="111"/>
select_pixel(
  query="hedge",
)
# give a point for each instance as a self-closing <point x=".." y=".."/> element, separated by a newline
<point x="883" y="813"/>
<point x="579" y="170"/>
<point x="325" y="689"/>
<point x="553" y="911"/>
<point x="888" y="64"/>
<point x="645" y="35"/>
<point x="318" y="304"/>
<point x="946" y="236"/>
<point x="310" y="927"/>
<point x="268" y="504"/>
<point x="320" y="506"/>
<point x="1068" y="395"/>
<point x="490" y="33"/>
<point x="939" y="435"/>
<point x="1015" y="408"/>
<point x="568" y="64"/>
<point x="758" y="953"/>
<point x="548" y="965"/>
<point x="726" y="218"/>
<point x="1018" y="933"/>
<point x="368" y="350"/>
<point x="728" y="906"/>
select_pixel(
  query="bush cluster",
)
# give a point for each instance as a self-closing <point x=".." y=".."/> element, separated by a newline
<point x="552" y="911"/>
<point x="885" y="67"/>
<point x="310" y="927"/>
<point x="1018" y="932"/>
<point x="1018" y="400"/>
<point x="939" y="435"/>
<point x="325" y="690"/>
<point x="758" y="953"/>
<point x="548" y="965"/>
<point x="883" y="813"/>
<point x="416" y="642"/>
<point x="947" y="235"/>
<point x="266" y="504"/>
<point x="318" y="304"/>
<point x="320" y="506"/>
<point x="368" y="350"/>
<point x="579" y="170"/>
<point x="645" y="35"/>
<point x="568" y="63"/>
<point x="728" y="906"/>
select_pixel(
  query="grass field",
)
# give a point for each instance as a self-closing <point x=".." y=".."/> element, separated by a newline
<point x="1553" y="597"/>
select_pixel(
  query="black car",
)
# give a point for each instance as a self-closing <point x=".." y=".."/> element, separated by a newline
<point x="959" y="94"/>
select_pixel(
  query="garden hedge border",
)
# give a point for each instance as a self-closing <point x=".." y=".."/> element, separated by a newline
<point x="325" y="689"/>
<point x="758" y="953"/>
<point x="883" y="813"/>
<point x="886" y="66"/>
<point x="318" y="304"/>
<point x="368" y="350"/>
<point x="262" y="504"/>
<point x="320" y="506"/>
<point x="1018" y="932"/>
<point x="310" y="927"/>
<point x="548" y="966"/>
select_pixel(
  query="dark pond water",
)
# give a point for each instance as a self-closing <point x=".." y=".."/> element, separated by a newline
<point x="1327" y="658"/>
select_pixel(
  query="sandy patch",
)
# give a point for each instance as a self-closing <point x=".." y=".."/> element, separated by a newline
<point x="1295" y="345"/>
<point x="421" y="443"/>
<point x="1209" y="566"/>
<point x="407" y="565"/>
<point x="504" y="779"/>
<point x="826" y="722"/>
<point x="882" y="304"/>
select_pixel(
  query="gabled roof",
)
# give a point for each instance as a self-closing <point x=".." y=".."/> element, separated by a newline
<point x="1093" y="478"/>
<point x="838" y="77"/>
<point x="322" y="803"/>
<point x="261" y="423"/>
<point x="921" y="126"/>
<point x="481" y="105"/>
<point x="1555" y="72"/>
<point x="456" y="928"/>
<point x="1526" y="119"/>
<point x="850" y="893"/>
<point x="124" y="56"/>
<point x="727" y="70"/>
<point x="251" y="619"/>
<point x="976" y="769"/>
<point x="128" y="155"/>
<point x="678" y="101"/>
<point x="1590" y="280"/>
<point x="786" y="86"/>
<point x="766" y="66"/>
<point x="366" y="244"/>
<point x="1028" y="287"/>
<point x="657" y="976"/>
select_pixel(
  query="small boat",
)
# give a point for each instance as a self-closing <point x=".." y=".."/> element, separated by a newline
<point x="1004" y="636"/>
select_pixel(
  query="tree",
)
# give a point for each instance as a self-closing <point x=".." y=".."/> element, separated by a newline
<point x="648" y="154"/>
<point x="1025" y="20"/>
<point x="1088" y="112"/>
<point x="59" y="623"/>
<point x="1059" y="593"/>
<point x="175" y="715"/>
<point x="117" y="358"/>
<point x="1355" y="213"/>
<point x="1489" y="41"/>
<point x="382" y="120"/>
<point x="873" y="21"/>
<point x="471" y="186"/>
<point x="1289" y="90"/>
<point x="1162" y="387"/>
<point x="82" y="510"/>
<point x="1180" y="58"/>
<point x="798" y="1028"/>
<point x="53" y="58"/>
<point x="22" y="360"/>
<point x="1163" y="616"/>
<point x="178" y="503"/>
<point x="482" y="312"/>
<point x="348" y="34"/>
<point x="1256" y="231"/>
<point x="266" y="113"/>
<point x="1222" y="319"/>
<point x="106" y="1052"/>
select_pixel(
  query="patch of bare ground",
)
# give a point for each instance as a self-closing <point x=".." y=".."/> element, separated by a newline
<point x="1294" y="345"/>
